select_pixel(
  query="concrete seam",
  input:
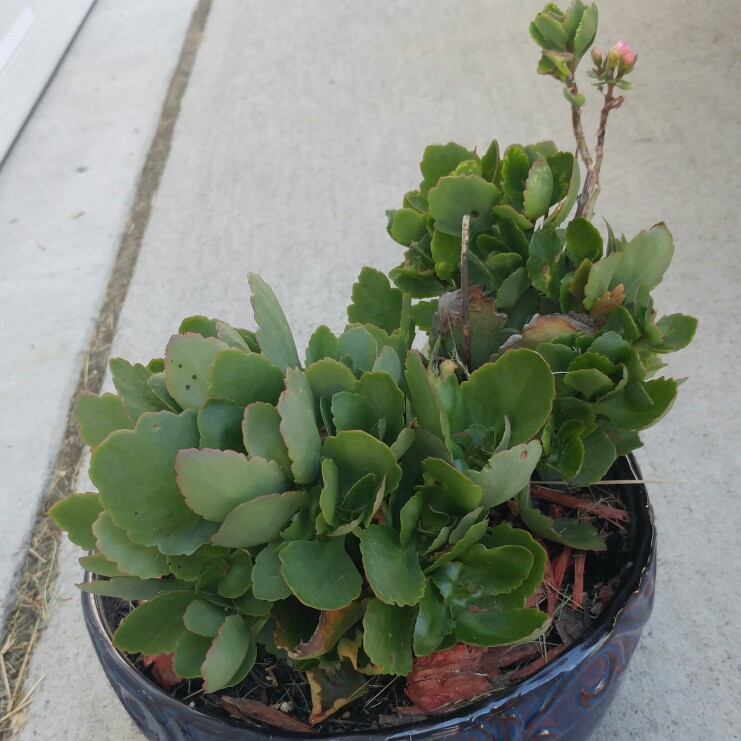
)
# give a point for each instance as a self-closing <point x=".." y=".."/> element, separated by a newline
<point x="29" y="611"/>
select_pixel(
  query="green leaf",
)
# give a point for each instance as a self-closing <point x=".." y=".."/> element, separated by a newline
<point x="576" y="99"/>
<point x="267" y="580"/>
<point x="446" y="252"/>
<point x="190" y="568"/>
<point x="199" y="324"/>
<point x="352" y="412"/>
<point x="385" y="399"/>
<point x="518" y="385"/>
<point x="599" y="455"/>
<point x="132" y="589"/>
<point x="500" y="627"/>
<point x="262" y="437"/>
<point x="457" y="196"/>
<point x="538" y="189"/>
<point x="135" y="473"/>
<point x="225" y="657"/>
<point x="583" y="241"/>
<point x="640" y="264"/>
<point x="545" y="266"/>
<point x="188" y="358"/>
<point x="220" y="425"/>
<point x="387" y="636"/>
<point x="512" y="288"/>
<point x="274" y="334"/>
<point x="356" y="454"/>
<point x="392" y="569"/>
<point x="677" y="331"/>
<point x="328" y="377"/>
<point x="504" y="535"/>
<point x="244" y="378"/>
<point x="321" y="575"/>
<point x="565" y="530"/>
<point x="75" y="515"/>
<point x="214" y="482"/>
<point x="158" y="383"/>
<point x="406" y="226"/>
<point x="298" y="427"/>
<point x="506" y="473"/>
<point x="425" y="402"/>
<point x="156" y="626"/>
<point x="509" y="214"/>
<point x="551" y="30"/>
<point x="571" y="177"/>
<point x="587" y="30"/>
<point x="190" y="653"/>
<point x="97" y="563"/>
<point x="588" y="382"/>
<point x="204" y="618"/>
<point x="239" y="578"/>
<point x="626" y="413"/>
<point x="322" y="344"/>
<point x="439" y="160"/>
<point x="454" y="493"/>
<point x="490" y="161"/>
<point x="494" y="571"/>
<point x="433" y="622"/>
<point x="131" y="382"/>
<point x="515" y="169"/>
<point x="388" y="362"/>
<point x="131" y="558"/>
<point x="374" y="300"/>
<point x="358" y="344"/>
<point x="98" y="416"/>
<point x="259" y="520"/>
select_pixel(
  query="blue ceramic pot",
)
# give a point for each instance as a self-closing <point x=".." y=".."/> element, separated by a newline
<point x="564" y="700"/>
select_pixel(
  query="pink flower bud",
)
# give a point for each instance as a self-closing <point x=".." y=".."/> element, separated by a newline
<point x="596" y="56"/>
<point x="621" y="56"/>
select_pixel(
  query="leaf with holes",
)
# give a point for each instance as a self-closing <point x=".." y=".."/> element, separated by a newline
<point x="506" y="473"/>
<point x="188" y="358"/>
<point x="457" y="196"/>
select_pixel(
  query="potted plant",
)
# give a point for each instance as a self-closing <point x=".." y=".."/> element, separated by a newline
<point x="385" y="543"/>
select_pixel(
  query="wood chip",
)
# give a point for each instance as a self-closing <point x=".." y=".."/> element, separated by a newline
<point x="252" y="710"/>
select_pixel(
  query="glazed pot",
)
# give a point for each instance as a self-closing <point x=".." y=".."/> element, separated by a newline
<point x="564" y="700"/>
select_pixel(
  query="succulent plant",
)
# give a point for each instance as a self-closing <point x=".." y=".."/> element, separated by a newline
<point x="336" y="513"/>
<point x="493" y="266"/>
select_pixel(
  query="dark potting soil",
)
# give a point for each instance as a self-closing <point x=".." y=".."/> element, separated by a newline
<point x="274" y="683"/>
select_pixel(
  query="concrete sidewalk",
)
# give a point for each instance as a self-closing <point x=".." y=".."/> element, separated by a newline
<point x="300" y="126"/>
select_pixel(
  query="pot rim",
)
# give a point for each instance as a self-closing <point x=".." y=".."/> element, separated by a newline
<point x="641" y="550"/>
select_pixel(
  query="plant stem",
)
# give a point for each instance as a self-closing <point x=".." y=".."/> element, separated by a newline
<point x="466" y="329"/>
<point x="610" y="104"/>
<point x="581" y="142"/>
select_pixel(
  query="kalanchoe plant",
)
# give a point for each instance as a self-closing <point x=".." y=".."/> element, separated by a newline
<point x="336" y="514"/>
<point x="496" y="266"/>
